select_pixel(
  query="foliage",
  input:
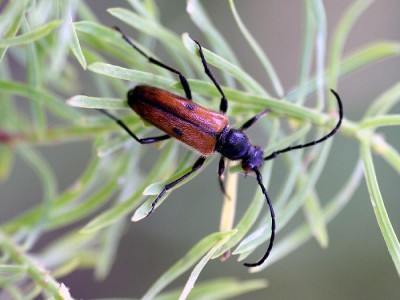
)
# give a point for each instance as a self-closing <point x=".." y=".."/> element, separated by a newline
<point x="54" y="40"/>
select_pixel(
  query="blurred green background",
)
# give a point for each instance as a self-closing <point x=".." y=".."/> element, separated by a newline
<point x="356" y="265"/>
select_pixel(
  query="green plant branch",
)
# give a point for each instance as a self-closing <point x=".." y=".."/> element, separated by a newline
<point x="380" y="121"/>
<point x="35" y="270"/>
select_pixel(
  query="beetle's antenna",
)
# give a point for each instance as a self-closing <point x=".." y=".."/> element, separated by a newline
<point x="271" y="209"/>
<point x="333" y="131"/>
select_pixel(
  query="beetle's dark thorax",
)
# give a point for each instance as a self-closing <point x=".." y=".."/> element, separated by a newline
<point x="233" y="144"/>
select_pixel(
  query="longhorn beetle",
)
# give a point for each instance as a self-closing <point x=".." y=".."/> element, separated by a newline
<point x="203" y="130"/>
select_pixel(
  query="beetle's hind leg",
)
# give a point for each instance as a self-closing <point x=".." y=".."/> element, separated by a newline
<point x="149" y="140"/>
<point x="197" y="165"/>
<point x="182" y="78"/>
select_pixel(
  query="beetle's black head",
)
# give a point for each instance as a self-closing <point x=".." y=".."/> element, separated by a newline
<point x="253" y="159"/>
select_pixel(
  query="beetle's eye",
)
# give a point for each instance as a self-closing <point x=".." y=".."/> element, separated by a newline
<point x="130" y="94"/>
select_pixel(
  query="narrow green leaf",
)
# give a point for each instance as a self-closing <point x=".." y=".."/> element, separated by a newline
<point x="67" y="215"/>
<point x="340" y="36"/>
<point x="113" y="145"/>
<point x="108" y="253"/>
<point x="31" y="36"/>
<point x="306" y="184"/>
<point x="85" y="12"/>
<point x="146" y="25"/>
<point x="52" y="102"/>
<point x="170" y="40"/>
<point x="218" y="289"/>
<point x="293" y="163"/>
<point x="122" y="209"/>
<point x="70" y="243"/>
<point x="389" y="154"/>
<point x="307" y="51"/>
<point x="264" y="60"/>
<point x="199" y="16"/>
<point x="67" y="268"/>
<point x="13" y="14"/>
<point x="48" y="283"/>
<point x="29" y="218"/>
<point x="368" y="55"/>
<point x="111" y="216"/>
<point x="11" y="11"/>
<point x="379" y="207"/>
<point x="146" y="8"/>
<point x="109" y="41"/>
<point x="36" y="76"/>
<point x="49" y="188"/>
<point x="96" y="29"/>
<point x="357" y="60"/>
<point x="186" y="262"/>
<point x="384" y="103"/>
<point x="95" y="102"/>
<point x="76" y="48"/>
<point x="314" y="214"/>
<point x="201" y="264"/>
<point x="60" y="50"/>
<point x="318" y="11"/>
<point x="131" y="75"/>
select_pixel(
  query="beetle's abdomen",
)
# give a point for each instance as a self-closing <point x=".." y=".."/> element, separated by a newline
<point x="188" y="122"/>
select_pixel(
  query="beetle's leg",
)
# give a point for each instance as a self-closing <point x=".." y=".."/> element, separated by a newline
<point x="152" y="60"/>
<point x="223" y="107"/>
<point x="149" y="140"/>
<point x="254" y="119"/>
<point x="197" y="165"/>
<point x="221" y="170"/>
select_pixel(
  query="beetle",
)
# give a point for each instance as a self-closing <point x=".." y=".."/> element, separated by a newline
<point x="204" y="130"/>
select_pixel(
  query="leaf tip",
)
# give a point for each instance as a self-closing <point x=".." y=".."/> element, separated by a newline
<point x="137" y="216"/>
<point x="71" y="101"/>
